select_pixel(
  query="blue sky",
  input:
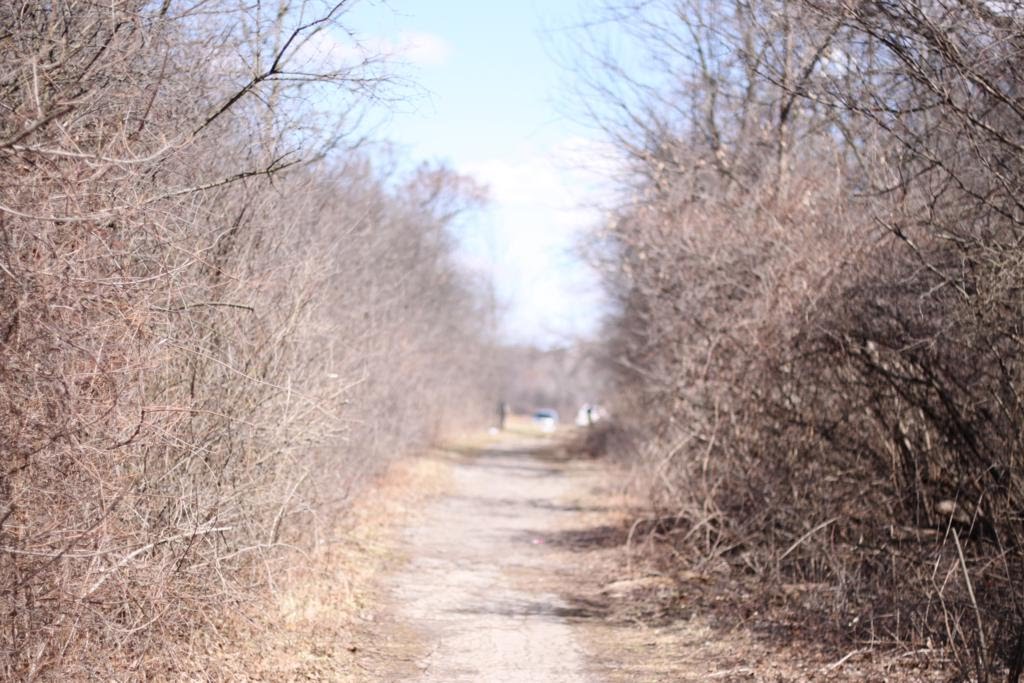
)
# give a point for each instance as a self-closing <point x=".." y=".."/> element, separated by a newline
<point x="488" y="103"/>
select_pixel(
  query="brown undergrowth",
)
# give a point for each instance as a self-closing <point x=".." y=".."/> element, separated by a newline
<point x="816" y="336"/>
<point x="661" y="615"/>
<point x="318" y="621"/>
<point x="219" y="317"/>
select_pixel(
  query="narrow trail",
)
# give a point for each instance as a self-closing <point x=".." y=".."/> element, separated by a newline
<point x="475" y="588"/>
<point x="520" y="572"/>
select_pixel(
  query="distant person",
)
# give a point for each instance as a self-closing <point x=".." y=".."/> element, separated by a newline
<point x="502" y="414"/>
<point x="589" y="414"/>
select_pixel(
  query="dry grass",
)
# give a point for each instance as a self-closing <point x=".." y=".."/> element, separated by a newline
<point x="654" y="621"/>
<point x="318" y="622"/>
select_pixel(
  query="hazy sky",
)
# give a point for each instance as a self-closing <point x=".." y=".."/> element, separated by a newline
<point x="490" y="107"/>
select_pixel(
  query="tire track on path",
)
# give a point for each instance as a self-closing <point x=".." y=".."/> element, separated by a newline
<point x="472" y="552"/>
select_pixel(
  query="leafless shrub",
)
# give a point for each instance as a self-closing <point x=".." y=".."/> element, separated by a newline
<point x="214" y="317"/>
<point x="818" y="335"/>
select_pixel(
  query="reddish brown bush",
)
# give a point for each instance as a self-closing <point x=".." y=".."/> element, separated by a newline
<point x="817" y="344"/>
<point x="214" y="318"/>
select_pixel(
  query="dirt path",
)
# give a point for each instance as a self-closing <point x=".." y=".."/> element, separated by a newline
<point x="474" y="589"/>
<point x="520" y="572"/>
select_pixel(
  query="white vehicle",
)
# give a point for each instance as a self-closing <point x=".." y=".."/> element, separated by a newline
<point x="547" y="420"/>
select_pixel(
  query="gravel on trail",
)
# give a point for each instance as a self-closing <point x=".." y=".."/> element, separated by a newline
<point x="466" y="586"/>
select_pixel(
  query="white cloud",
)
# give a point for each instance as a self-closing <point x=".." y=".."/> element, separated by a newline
<point x="323" y="49"/>
<point x="532" y="182"/>
<point x="423" y="49"/>
<point x="329" y="49"/>
<point x="543" y="206"/>
<point x="569" y="176"/>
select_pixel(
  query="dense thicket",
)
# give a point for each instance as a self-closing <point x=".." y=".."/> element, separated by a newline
<point x="817" y="259"/>
<point x="216" y="315"/>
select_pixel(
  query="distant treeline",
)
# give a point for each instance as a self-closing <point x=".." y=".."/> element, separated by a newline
<point x="563" y="378"/>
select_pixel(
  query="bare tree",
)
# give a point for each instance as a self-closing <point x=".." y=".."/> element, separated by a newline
<point x="816" y="345"/>
<point x="215" y="316"/>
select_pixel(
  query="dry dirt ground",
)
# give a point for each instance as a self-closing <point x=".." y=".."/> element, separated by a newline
<point x="518" y="570"/>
